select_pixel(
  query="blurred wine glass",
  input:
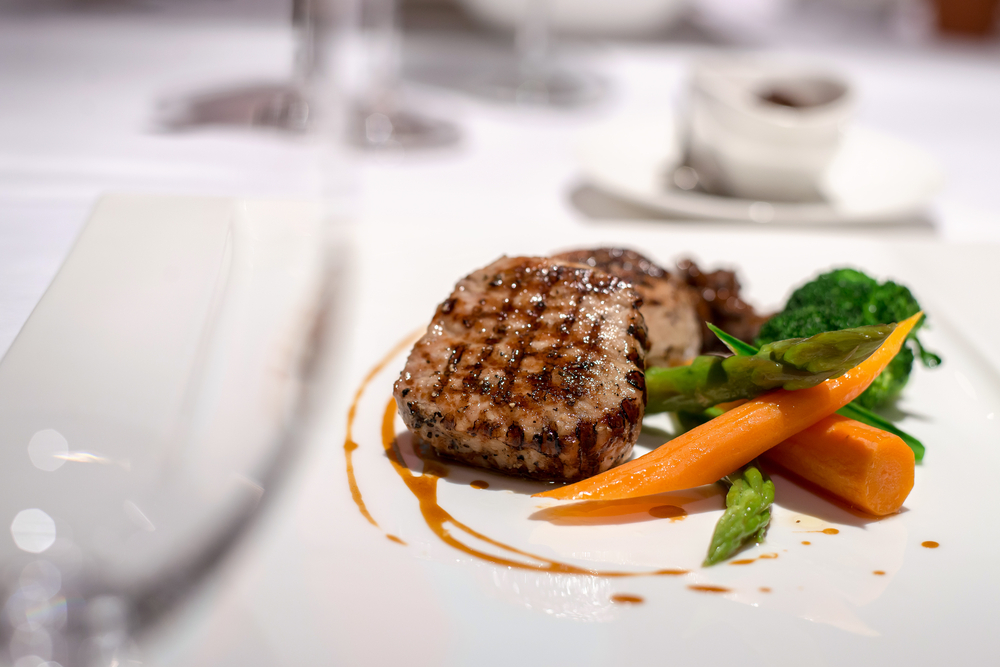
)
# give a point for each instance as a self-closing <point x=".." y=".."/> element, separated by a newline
<point x="368" y="43"/>
<point x="537" y="77"/>
<point x="160" y="393"/>
<point x="288" y="107"/>
<point x="377" y="118"/>
<point x="380" y="117"/>
<point x="151" y="405"/>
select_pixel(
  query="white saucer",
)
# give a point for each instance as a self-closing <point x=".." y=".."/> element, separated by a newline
<point x="874" y="178"/>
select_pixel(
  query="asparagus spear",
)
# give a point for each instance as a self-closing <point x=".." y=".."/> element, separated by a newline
<point x="851" y="410"/>
<point x="740" y="521"/>
<point x="748" y="511"/>
<point x="792" y="364"/>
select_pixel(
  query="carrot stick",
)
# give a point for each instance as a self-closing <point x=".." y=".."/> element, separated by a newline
<point x="866" y="466"/>
<point x="708" y="452"/>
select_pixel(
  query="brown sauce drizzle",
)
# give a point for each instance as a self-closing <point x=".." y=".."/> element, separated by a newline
<point x="393" y="538"/>
<point x="671" y="512"/>
<point x="603" y="512"/>
<point x="806" y="542"/>
<point x="930" y="544"/>
<point x="748" y="561"/>
<point x="764" y="589"/>
<point x="704" y="588"/>
<point x="436" y="517"/>
<point x="626" y="598"/>
<point x="879" y="572"/>
<point x="349" y="447"/>
<point x="479" y="484"/>
<point x="424" y="488"/>
<point x="349" y="444"/>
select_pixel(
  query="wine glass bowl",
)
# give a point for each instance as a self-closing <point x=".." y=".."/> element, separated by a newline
<point x="537" y="77"/>
<point x="155" y="396"/>
<point x="379" y="117"/>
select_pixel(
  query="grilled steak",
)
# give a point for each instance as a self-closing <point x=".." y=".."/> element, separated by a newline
<point x="668" y="305"/>
<point x="533" y="367"/>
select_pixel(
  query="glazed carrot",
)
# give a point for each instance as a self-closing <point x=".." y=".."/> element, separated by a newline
<point x="862" y="464"/>
<point x="708" y="452"/>
<point x="867" y="467"/>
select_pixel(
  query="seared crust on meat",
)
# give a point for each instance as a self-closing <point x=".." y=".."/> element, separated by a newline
<point x="668" y="304"/>
<point x="533" y="367"/>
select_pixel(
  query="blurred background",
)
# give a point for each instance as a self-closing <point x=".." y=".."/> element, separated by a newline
<point x="170" y="96"/>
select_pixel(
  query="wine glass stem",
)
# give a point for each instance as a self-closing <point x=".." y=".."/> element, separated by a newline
<point x="304" y="28"/>
<point x="532" y="39"/>
<point x="383" y="45"/>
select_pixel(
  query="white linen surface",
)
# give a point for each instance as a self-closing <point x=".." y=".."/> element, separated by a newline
<point x="82" y="96"/>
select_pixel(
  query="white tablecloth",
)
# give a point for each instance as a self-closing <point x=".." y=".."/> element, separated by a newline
<point x="82" y="94"/>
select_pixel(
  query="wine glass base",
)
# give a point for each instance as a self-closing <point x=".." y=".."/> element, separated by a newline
<point x="284" y="109"/>
<point x="553" y="87"/>
<point x="376" y="129"/>
<point x="273" y="105"/>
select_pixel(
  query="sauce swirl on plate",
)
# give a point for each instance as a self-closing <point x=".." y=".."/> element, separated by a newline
<point x="424" y="488"/>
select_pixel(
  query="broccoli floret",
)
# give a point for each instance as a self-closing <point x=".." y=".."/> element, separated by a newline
<point x="829" y="302"/>
<point x="807" y="321"/>
<point x="845" y="298"/>
<point x="890" y="302"/>
<point x="890" y="382"/>
<point x="841" y="289"/>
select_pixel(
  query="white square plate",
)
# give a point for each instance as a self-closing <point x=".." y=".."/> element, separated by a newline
<point x="324" y="584"/>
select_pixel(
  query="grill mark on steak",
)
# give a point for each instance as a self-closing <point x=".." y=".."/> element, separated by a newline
<point x="518" y="354"/>
<point x="586" y="436"/>
<point x="678" y="303"/>
<point x="630" y="408"/>
<point x="640" y="335"/>
<point x="548" y="392"/>
<point x="515" y="435"/>
<point x="669" y="305"/>
<point x="542" y="383"/>
<point x="471" y="379"/>
<point x="449" y="369"/>
<point x="638" y="380"/>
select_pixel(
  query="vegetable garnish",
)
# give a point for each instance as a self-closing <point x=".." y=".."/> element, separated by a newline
<point x="852" y="410"/>
<point x="845" y="298"/>
<point x="851" y="456"/>
<point x="708" y="452"/>
<point x="866" y="466"/>
<point x="865" y="416"/>
<point x="735" y="345"/>
<point x="790" y="364"/>
<point x="748" y="512"/>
